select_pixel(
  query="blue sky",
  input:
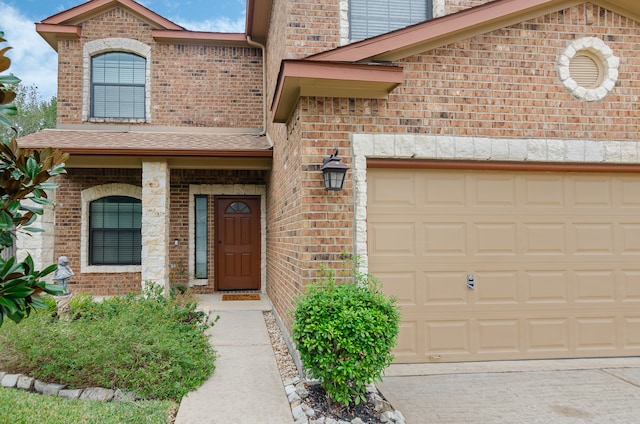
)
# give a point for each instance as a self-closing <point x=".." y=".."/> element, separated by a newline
<point x="35" y="62"/>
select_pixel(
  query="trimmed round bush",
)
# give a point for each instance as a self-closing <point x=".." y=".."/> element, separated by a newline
<point x="345" y="333"/>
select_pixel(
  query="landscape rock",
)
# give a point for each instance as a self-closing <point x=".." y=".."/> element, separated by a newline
<point x="53" y="389"/>
<point x="298" y="413"/>
<point x="40" y="386"/>
<point x="70" y="393"/>
<point x="25" y="383"/>
<point x="98" y="393"/>
<point x="120" y="396"/>
<point x="10" y="380"/>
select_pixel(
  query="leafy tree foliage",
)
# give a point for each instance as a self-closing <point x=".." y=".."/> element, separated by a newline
<point x="33" y="114"/>
<point x="23" y="185"/>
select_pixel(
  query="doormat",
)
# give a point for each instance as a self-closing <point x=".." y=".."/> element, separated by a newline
<point x="240" y="297"/>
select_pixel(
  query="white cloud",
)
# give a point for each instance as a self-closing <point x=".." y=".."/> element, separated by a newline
<point x="222" y="24"/>
<point x="32" y="59"/>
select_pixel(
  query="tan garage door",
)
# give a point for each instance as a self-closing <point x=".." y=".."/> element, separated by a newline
<point x="555" y="260"/>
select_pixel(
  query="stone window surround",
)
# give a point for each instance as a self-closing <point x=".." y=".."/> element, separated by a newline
<point x="408" y="146"/>
<point x="438" y="10"/>
<point x="87" y="196"/>
<point x="227" y="190"/>
<point x="95" y="47"/>
<point x="600" y="51"/>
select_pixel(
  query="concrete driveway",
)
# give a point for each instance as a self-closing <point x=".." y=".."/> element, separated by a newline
<point x="545" y="391"/>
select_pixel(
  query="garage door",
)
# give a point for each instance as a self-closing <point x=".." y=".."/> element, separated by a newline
<point x="491" y="265"/>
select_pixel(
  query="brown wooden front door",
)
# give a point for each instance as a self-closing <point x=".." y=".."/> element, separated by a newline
<point x="238" y="242"/>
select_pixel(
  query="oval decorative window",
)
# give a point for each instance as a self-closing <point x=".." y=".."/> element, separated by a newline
<point x="588" y="69"/>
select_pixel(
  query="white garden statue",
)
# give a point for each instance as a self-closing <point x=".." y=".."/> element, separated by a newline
<point x="61" y="276"/>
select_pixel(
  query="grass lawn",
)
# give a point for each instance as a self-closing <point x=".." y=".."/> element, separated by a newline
<point x="20" y="407"/>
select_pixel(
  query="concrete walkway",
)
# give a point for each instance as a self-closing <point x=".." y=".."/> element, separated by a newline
<point x="544" y="391"/>
<point x="246" y="387"/>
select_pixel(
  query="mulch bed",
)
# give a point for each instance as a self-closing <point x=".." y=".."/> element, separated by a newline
<point x="320" y="402"/>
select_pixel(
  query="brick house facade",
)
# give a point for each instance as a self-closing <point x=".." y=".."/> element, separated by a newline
<point x="490" y="99"/>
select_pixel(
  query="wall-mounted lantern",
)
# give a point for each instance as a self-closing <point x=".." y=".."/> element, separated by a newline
<point x="334" y="170"/>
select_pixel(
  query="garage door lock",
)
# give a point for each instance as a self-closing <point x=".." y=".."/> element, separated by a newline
<point x="471" y="283"/>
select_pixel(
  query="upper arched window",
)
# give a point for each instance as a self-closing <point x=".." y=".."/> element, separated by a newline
<point x="118" y="85"/>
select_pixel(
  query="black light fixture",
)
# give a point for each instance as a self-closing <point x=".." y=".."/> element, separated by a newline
<point x="334" y="170"/>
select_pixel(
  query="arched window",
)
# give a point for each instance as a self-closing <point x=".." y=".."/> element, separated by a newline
<point x="115" y="236"/>
<point x="118" y="85"/>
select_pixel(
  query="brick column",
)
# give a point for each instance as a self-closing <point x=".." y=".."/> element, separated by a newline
<point x="155" y="224"/>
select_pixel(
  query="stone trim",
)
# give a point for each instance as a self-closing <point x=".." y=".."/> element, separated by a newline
<point x="232" y="190"/>
<point x="87" y="196"/>
<point x="598" y="51"/>
<point x="407" y="146"/>
<point x="95" y="47"/>
<point x="156" y="203"/>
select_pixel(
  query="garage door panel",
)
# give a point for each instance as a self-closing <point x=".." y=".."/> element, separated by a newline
<point x="630" y="234"/>
<point x="596" y="333"/>
<point x="555" y="260"/>
<point x="392" y="191"/>
<point x="447" y="337"/>
<point x="546" y="287"/>
<point x="493" y="190"/>
<point x="498" y="336"/>
<point x="548" y="334"/>
<point x="496" y="287"/>
<point x="445" y="191"/>
<point x="595" y="286"/>
<point x="402" y="285"/>
<point x="445" y="288"/>
<point x="392" y="239"/>
<point x="630" y="285"/>
<point x="408" y="338"/>
<point x="446" y="238"/>
<point x="544" y="238"/>
<point x="543" y="192"/>
<point x="495" y="238"/>
<point x="629" y="189"/>
<point x="591" y="192"/>
<point x="631" y="332"/>
<point x="594" y="238"/>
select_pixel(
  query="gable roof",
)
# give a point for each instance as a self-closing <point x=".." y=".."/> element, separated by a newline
<point x="466" y="23"/>
<point x="66" y="25"/>
<point x="421" y="37"/>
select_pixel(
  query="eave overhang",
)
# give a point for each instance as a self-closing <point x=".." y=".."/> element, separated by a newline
<point x="232" y="160"/>
<point x="311" y="78"/>
<point x="82" y="12"/>
<point x="258" y="19"/>
<point x="200" y="38"/>
<point x="52" y="33"/>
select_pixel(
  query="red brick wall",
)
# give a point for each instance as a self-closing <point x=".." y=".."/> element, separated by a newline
<point x="505" y="83"/>
<point x="68" y="224"/>
<point x="191" y="85"/>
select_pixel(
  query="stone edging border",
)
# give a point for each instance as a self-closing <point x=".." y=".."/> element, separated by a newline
<point x="304" y="414"/>
<point x="30" y="384"/>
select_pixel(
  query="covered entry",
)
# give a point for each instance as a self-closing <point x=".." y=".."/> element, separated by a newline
<point x="494" y="265"/>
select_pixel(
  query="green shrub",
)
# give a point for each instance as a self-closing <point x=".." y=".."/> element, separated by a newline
<point x="149" y="344"/>
<point x="345" y="333"/>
